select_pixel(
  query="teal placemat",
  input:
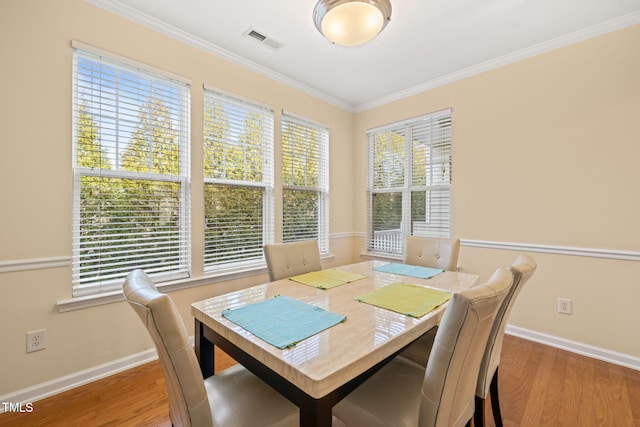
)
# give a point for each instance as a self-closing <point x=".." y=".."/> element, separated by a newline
<point x="282" y="321"/>
<point x="409" y="270"/>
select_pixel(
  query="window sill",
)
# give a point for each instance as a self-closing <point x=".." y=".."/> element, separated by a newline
<point x="382" y="256"/>
<point x="86" y="301"/>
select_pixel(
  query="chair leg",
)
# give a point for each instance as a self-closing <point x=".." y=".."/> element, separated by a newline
<point x="495" y="399"/>
<point x="478" y="415"/>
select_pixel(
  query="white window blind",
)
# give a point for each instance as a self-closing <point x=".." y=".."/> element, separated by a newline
<point x="238" y="181"/>
<point x="409" y="181"/>
<point x="305" y="193"/>
<point x="131" y="170"/>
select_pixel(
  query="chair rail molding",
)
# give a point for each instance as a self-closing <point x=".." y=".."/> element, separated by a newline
<point x="552" y="249"/>
<point x="34" y="264"/>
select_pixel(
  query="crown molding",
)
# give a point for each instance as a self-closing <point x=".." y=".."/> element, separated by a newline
<point x="124" y="11"/>
<point x="528" y="52"/>
<point x="133" y="15"/>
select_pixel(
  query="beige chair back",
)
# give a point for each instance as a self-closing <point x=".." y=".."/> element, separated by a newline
<point x="448" y="388"/>
<point x="522" y="268"/>
<point x="188" y="401"/>
<point x="290" y="259"/>
<point x="431" y="252"/>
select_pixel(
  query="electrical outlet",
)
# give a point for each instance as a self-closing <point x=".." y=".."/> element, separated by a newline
<point x="36" y="340"/>
<point x="565" y="306"/>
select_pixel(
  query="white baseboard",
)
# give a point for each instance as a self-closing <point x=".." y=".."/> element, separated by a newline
<point x="68" y="382"/>
<point x="76" y="379"/>
<point x="576" y="347"/>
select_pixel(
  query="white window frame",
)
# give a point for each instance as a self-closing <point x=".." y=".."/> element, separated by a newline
<point x="217" y="266"/>
<point x="111" y="137"/>
<point x="435" y="129"/>
<point x="316" y="147"/>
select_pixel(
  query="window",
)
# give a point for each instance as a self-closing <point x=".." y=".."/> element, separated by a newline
<point x="238" y="181"/>
<point x="305" y="184"/>
<point x="409" y="190"/>
<point x="130" y="173"/>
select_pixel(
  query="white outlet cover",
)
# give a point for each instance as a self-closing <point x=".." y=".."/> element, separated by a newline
<point x="36" y="340"/>
<point x="565" y="306"/>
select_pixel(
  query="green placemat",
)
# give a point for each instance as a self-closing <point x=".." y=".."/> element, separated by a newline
<point x="409" y="270"/>
<point x="327" y="279"/>
<point x="407" y="299"/>
<point x="282" y="321"/>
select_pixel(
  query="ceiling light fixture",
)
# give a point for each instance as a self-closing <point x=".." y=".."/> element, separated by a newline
<point x="351" y="22"/>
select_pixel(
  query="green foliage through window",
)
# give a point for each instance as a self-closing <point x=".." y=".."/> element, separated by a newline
<point x="409" y="181"/>
<point x="238" y="140"/>
<point x="305" y="182"/>
<point x="131" y="169"/>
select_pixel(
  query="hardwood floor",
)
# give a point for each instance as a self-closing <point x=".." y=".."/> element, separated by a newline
<point x="544" y="386"/>
<point x="539" y="386"/>
<point x="136" y="397"/>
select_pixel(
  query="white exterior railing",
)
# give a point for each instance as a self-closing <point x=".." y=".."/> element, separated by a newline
<point x="388" y="241"/>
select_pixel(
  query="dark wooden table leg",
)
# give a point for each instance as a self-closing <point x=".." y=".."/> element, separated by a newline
<point x="204" y="350"/>
<point x="316" y="413"/>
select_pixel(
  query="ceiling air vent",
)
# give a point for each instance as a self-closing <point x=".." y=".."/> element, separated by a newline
<point x="262" y="39"/>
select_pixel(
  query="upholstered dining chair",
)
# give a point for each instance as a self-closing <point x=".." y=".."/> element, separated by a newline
<point x="290" y="259"/>
<point x="522" y="268"/>
<point x="432" y="252"/>
<point x="233" y="397"/>
<point x="404" y="393"/>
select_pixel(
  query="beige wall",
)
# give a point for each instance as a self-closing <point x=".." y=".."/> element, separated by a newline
<point x="572" y="114"/>
<point x="35" y="167"/>
<point x="546" y="152"/>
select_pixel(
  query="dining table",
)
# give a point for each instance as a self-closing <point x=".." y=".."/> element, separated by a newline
<point x="317" y="372"/>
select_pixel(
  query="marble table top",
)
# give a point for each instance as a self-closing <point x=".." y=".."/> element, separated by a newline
<point x="323" y="362"/>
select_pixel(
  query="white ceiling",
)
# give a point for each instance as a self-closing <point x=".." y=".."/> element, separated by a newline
<point x="427" y="42"/>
